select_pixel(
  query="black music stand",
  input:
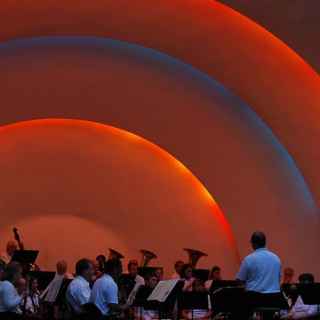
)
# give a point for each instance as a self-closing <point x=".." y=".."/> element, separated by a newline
<point x="219" y="284"/>
<point x="26" y="258"/>
<point x="44" y="278"/>
<point x="201" y="274"/>
<point x="145" y="271"/>
<point x="193" y="301"/>
<point x="229" y="300"/>
<point x="310" y="293"/>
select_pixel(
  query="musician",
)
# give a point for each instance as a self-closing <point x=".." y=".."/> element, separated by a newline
<point x="104" y="294"/>
<point x="101" y="260"/>
<point x="261" y="270"/>
<point x="187" y="277"/>
<point x="142" y="307"/>
<point x="215" y="275"/>
<point x="177" y="267"/>
<point x="8" y="254"/>
<point x="138" y="281"/>
<point x="288" y="275"/>
<point x="78" y="292"/>
<point x="299" y="310"/>
<point x="10" y="300"/>
<point x="31" y="301"/>
<point x="51" y="292"/>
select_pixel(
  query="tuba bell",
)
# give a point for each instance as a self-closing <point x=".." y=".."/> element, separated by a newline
<point x="113" y="254"/>
<point x="194" y="256"/>
<point x="147" y="256"/>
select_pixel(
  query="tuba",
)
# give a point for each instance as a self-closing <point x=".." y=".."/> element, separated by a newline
<point x="113" y="254"/>
<point x="147" y="256"/>
<point x="194" y="256"/>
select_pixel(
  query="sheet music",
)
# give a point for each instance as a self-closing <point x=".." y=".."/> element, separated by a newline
<point x="162" y="290"/>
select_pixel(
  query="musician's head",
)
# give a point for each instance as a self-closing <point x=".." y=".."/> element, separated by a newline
<point x="12" y="272"/>
<point x="111" y="267"/>
<point x="215" y="273"/>
<point x="101" y="259"/>
<point x="151" y="280"/>
<point x="306" y="278"/>
<point x="21" y="285"/>
<point x="11" y="248"/>
<point x="62" y="267"/>
<point x="85" y="269"/>
<point x="133" y="267"/>
<point x="258" y="240"/>
<point x="186" y="271"/>
<point x="288" y="274"/>
<point x="159" y="273"/>
<point x="33" y="285"/>
<point x="178" y="266"/>
<point x="2" y="268"/>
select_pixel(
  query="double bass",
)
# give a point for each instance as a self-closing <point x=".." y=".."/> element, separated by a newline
<point x="18" y="238"/>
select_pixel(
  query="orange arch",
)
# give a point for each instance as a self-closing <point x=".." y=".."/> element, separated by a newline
<point x="244" y="57"/>
<point x="31" y="144"/>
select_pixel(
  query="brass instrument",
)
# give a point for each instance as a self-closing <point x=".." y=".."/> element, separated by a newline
<point x="194" y="256"/>
<point x="113" y="254"/>
<point x="147" y="256"/>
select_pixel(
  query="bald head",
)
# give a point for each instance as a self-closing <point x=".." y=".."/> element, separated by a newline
<point x="11" y="248"/>
<point x="62" y="267"/>
<point x="258" y="240"/>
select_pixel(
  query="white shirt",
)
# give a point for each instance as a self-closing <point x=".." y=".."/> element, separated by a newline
<point x="104" y="292"/>
<point x="301" y="310"/>
<point x="78" y="293"/>
<point x="51" y="292"/>
<point x="32" y="303"/>
<point x="139" y="281"/>
<point x="261" y="271"/>
<point x="9" y="297"/>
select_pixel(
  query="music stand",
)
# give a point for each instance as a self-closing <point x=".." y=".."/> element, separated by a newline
<point x="193" y="301"/>
<point x="26" y="258"/>
<point x="144" y="271"/>
<point x="228" y="300"/>
<point x="44" y="278"/>
<point x="219" y="284"/>
<point x="310" y="293"/>
<point x="166" y="307"/>
<point x="201" y="274"/>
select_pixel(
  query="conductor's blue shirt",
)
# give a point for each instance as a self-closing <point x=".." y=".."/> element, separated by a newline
<point x="261" y="271"/>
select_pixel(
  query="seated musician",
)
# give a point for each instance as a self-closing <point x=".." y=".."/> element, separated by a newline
<point x="177" y="267"/>
<point x="215" y="275"/>
<point x="8" y="254"/>
<point x="143" y="309"/>
<point x="31" y="301"/>
<point x="187" y="277"/>
<point x="135" y="278"/>
<point x="104" y="294"/>
<point x="10" y="298"/>
<point x="204" y="314"/>
<point x="299" y="310"/>
<point x="78" y="292"/>
<point x="288" y="275"/>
